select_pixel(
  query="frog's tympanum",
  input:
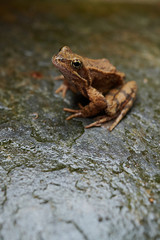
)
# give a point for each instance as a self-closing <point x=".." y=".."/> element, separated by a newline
<point x="100" y="82"/>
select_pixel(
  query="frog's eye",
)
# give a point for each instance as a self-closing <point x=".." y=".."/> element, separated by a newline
<point x="76" y="63"/>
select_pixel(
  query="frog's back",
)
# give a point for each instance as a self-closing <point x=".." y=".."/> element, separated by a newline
<point x="104" y="75"/>
<point x="100" y="64"/>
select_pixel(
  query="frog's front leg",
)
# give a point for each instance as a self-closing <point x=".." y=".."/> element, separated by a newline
<point x="59" y="77"/>
<point x="96" y="105"/>
<point x="63" y="87"/>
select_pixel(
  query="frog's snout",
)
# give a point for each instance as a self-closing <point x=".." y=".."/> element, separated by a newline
<point x="57" y="60"/>
<point x="52" y="59"/>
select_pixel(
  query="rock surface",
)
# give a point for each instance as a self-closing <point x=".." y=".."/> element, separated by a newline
<point x="58" y="180"/>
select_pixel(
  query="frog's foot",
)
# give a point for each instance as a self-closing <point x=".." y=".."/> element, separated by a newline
<point x="99" y="122"/>
<point x="77" y="113"/>
<point x="63" y="88"/>
<point x="60" y="77"/>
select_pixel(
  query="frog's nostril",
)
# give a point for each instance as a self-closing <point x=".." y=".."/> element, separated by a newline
<point x="59" y="59"/>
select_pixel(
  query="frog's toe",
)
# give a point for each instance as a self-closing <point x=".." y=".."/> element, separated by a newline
<point x="77" y="113"/>
<point x="99" y="123"/>
<point x="63" y="88"/>
<point x="95" y="124"/>
<point x="60" y="77"/>
<point x="71" y="110"/>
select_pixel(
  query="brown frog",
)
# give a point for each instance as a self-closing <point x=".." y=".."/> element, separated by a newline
<point x="100" y="82"/>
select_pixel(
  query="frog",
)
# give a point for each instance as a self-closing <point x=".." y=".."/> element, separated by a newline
<point x="100" y="82"/>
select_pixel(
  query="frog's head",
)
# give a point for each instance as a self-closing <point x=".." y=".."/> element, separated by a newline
<point x="72" y="66"/>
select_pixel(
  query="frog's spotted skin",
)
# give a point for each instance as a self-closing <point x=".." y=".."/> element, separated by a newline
<point x="100" y="82"/>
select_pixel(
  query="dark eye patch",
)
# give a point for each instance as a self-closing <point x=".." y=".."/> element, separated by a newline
<point x="76" y="63"/>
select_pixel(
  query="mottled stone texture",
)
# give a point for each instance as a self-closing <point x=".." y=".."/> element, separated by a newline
<point x="57" y="180"/>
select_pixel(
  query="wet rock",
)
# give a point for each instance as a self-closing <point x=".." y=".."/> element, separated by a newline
<point x="57" y="178"/>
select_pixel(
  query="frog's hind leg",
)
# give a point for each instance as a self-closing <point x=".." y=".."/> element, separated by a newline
<point x="121" y="115"/>
<point x="119" y="101"/>
<point x="123" y="101"/>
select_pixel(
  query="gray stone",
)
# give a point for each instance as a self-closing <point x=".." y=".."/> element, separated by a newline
<point x="57" y="179"/>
